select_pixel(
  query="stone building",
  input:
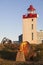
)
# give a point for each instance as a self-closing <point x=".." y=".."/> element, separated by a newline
<point x="40" y="36"/>
<point x="29" y="32"/>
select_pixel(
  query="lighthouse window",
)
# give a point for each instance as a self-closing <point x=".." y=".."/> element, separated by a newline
<point x="32" y="19"/>
<point x="32" y="36"/>
<point x="32" y="26"/>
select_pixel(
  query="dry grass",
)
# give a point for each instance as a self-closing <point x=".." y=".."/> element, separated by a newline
<point x="13" y="62"/>
<point x="6" y="62"/>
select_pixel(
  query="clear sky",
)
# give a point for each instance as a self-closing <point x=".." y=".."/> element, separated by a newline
<point x="11" y="12"/>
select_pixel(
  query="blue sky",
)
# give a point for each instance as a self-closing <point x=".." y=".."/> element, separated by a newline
<point x="11" y="12"/>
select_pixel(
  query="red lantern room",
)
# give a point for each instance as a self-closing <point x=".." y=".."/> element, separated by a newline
<point x="31" y="13"/>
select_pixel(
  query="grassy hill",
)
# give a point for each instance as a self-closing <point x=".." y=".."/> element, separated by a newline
<point x="8" y="54"/>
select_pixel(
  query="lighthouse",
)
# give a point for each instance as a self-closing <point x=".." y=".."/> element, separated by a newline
<point x="29" y="26"/>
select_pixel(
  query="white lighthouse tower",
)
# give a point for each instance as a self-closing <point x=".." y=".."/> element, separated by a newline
<point x="29" y="26"/>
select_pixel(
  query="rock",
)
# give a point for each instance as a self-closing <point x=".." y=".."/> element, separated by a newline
<point x="20" y="56"/>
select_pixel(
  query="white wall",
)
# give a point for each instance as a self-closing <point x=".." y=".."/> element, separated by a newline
<point x="27" y="30"/>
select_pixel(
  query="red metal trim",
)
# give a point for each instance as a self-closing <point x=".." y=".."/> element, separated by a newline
<point x="30" y="16"/>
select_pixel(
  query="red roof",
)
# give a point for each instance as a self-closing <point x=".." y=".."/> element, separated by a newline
<point x="31" y="8"/>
